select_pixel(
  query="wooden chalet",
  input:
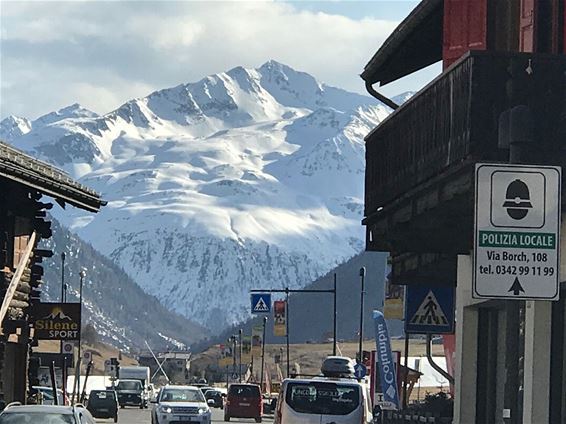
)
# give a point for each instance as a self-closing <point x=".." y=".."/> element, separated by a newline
<point x="503" y="81"/>
<point x="24" y="182"/>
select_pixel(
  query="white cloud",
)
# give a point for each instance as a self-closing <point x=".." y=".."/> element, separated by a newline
<point x="104" y="53"/>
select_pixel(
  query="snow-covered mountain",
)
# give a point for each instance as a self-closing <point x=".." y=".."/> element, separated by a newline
<point x="252" y="178"/>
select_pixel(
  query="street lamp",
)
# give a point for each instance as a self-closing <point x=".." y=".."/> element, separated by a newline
<point x="82" y="276"/>
<point x="233" y="339"/>
<point x="63" y="287"/>
<point x="360" y="347"/>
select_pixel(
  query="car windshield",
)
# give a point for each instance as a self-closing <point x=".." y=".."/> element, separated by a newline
<point x="129" y="385"/>
<point x="244" y="391"/>
<point x="182" y="395"/>
<point x="42" y="417"/>
<point x="323" y="398"/>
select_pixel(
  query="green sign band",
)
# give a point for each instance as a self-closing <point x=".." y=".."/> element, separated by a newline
<point x="517" y="240"/>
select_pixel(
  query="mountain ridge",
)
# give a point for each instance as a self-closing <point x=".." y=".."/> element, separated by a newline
<point x="243" y="176"/>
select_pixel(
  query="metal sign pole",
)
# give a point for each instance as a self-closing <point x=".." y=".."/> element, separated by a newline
<point x="262" y="354"/>
<point x="287" y="323"/>
<point x="361" y="339"/>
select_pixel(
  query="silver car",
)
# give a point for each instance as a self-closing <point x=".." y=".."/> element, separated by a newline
<point x="180" y="404"/>
<point x="15" y="413"/>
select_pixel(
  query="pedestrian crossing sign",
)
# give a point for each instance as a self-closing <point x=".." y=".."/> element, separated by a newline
<point x="429" y="310"/>
<point x="261" y="303"/>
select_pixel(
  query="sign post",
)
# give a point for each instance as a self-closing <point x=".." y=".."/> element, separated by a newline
<point x="517" y="232"/>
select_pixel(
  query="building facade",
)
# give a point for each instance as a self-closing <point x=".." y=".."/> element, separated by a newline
<point x="500" y="98"/>
<point x="24" y="182"/>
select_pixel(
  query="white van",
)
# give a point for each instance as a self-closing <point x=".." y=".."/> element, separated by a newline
<point x="323" y="400"/>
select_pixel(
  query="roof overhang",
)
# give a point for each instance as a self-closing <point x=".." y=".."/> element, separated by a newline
<point x="415" y="44"/>
<point x="23" y="169"/>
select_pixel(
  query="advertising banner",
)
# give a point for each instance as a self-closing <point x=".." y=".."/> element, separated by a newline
<point x="257" y="336"/>
<point x="280" y="318"/>
<point x="57" y="321"/>
<point x="385" y="363"/>
<point x="393" y="303"/>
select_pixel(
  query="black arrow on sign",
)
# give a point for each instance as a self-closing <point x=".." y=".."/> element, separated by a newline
<point x="516" y="288"/>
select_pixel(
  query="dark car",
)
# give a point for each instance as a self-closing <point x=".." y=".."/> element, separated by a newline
<point x="243" y="401"/>
<point x="103" y="404"/>
<point x="131" y="392"/>
<point x="216" y="397"/>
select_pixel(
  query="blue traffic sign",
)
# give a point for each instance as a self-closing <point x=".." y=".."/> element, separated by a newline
<point x="429" y="310"/>
<point x="360" y="371"/>
<point x="261" y="303"/>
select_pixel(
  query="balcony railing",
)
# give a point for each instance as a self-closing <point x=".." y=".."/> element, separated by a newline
<point x="453" y="122"/>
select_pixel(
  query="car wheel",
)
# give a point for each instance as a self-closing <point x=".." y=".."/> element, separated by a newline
<point x="226" y="417"/>
<point x="122" y="406"/>
<point x="258" y="420"/>
<point x="116" y="418"/>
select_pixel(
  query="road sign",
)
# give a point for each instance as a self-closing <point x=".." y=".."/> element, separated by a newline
<point x="68" y="347"/>
<point x="517" y="232"/>
<point x="360" y="371"/>
<point x="429" y="310"/>
<point x="261" y="303"/>
<point x="87" y="356"/>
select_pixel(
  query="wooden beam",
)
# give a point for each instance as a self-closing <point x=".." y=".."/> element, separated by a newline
<point x="16" y="278"/>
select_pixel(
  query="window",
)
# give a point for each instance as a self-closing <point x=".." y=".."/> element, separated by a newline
<point x="323" y="398"/>
<point x="244" y="391"/>
<point x="181" y="395"/>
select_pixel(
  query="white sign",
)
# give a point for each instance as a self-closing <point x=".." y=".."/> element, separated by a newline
<point x="517" y="232"/>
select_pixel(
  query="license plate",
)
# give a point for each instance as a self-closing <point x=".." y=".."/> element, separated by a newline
<point x="190" y="419"/>
<point x="103" y="410"/>
<point x="244" y="404"/>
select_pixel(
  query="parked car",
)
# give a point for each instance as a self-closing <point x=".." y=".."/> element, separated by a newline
<point x="131" y="392"/>
<point x="216" y="397"/>
<point x="180" y="404"/>
<point x="103" y="404"/>
<point x="337" y="397"/>
<point x="243" y="401"/>
<point x="15" y="413"/>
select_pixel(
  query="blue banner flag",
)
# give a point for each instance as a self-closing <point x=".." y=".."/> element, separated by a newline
<point x="385" y="363"/>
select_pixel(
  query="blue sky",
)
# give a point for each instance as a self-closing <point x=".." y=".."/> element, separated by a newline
<point x="103" y="53"/>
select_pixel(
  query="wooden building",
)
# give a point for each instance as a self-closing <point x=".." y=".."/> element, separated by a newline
<point x="24" y="182"/>
<point x="504" y="68"/>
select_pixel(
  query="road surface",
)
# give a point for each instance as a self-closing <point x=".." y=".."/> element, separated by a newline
<point x="143" y="416"/>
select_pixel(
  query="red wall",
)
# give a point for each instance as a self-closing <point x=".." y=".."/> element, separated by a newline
<point x="465" y="28"/>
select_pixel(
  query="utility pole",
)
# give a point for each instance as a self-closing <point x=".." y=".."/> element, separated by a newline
<point x="335" y="335"/>
<point x="262" y="354"/>
<point x="360" y="347"/>
<point x="240" y="340"/>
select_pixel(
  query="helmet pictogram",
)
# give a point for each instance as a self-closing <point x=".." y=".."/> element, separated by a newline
<point x="517" y="200"/>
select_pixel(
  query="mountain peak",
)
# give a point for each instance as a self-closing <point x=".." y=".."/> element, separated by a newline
<point x="14" y="126"/>
<point x="72" y="111"/>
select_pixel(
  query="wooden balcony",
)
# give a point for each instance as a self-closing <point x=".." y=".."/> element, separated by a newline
<point x="420" y="160"/>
